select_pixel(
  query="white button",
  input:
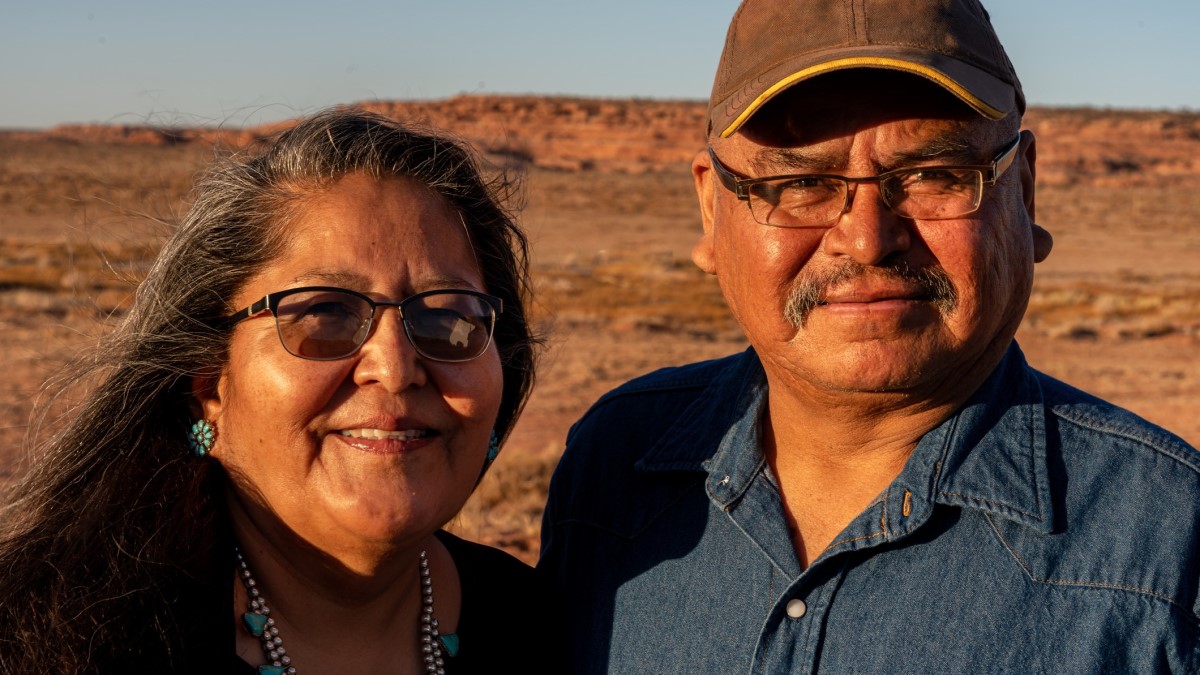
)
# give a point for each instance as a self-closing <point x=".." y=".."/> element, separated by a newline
<point x="796" y="608"/>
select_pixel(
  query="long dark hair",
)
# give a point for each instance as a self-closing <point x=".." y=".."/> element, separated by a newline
<point x="101" y="539"/>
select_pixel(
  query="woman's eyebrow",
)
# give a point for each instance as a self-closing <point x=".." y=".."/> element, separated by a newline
<point x="340" y="278"/>
<point x="443" y="281"/>
<point x="362" y="284"/>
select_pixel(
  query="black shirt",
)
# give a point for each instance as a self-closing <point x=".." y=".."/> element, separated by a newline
<point x="506" y="618"/>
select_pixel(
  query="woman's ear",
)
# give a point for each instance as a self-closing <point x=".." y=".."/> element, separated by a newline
<point x="205" y="401"/>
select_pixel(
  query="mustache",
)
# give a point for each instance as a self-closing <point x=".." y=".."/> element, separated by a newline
<point x="808" y="291"/>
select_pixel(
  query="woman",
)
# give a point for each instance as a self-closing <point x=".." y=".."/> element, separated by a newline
<point x="314" y="376"/>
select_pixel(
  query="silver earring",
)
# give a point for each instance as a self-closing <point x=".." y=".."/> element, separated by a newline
<point x="201" y="437"/>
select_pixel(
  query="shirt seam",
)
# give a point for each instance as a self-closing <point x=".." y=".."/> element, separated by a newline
<point x="989" y="502"/>
<point x="1090" y="423"/>
<point x="1087" y="584"/>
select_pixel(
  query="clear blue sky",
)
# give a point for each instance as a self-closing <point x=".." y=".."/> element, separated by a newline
<point x="253" y="61"/>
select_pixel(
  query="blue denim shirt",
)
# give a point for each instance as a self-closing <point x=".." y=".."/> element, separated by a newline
<point x="1038" y="530"/>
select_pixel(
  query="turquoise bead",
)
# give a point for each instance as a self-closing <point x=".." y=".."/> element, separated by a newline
<point x="255" y="623"/>
<point x="272" y="670"/>
<point x="450" y="642"/>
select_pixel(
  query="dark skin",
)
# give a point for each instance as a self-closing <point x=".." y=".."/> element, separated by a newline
<point x="876" y="364"/>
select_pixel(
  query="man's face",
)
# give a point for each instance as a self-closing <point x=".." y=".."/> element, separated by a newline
<point x="873" y="302"/>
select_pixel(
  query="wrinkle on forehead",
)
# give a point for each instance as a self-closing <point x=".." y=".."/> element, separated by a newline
<point x="948" y="143"/>
<point x="357" y="281"/>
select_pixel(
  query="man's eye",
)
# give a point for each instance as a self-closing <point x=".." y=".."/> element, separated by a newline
<point x="933" y="176"/>
<point x="796" y="192"/>
<point x="806" y="183"/>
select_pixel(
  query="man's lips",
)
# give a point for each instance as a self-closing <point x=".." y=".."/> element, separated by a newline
<point x="869" y="295"/>
<point x="855" y="288"/>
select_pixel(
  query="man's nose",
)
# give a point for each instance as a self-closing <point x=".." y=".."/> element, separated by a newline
<point x="868" y="231"/>
<point x="387" y="357"/>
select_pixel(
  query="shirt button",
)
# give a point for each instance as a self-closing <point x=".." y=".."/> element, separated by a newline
<point x="796" y="608"/>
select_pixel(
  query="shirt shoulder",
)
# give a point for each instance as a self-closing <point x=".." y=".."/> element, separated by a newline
<point x="1126" y="502"/>
<point x="633" y="417"/>
<point x="1088" y="415"/>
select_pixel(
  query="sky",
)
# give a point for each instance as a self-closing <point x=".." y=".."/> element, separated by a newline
<point x="250" y="62"/>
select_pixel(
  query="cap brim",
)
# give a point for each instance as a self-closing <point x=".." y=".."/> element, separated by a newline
<point x="986" y="94"/>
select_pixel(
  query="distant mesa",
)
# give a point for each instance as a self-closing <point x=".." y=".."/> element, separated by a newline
<point x="1105" y="147"/>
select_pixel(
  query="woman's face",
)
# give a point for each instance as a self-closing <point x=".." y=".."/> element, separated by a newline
<point x="378" y="448"/>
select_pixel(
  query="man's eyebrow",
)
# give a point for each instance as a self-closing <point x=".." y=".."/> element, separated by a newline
<point x="798" y="160"/>
<point x="953" y="149"/>
<point x="949" y="148"/>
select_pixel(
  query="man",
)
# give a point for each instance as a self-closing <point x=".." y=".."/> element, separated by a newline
<point x="880" y="484"/>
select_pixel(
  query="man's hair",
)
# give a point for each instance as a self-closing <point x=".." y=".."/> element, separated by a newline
<point x="116" y="515"/>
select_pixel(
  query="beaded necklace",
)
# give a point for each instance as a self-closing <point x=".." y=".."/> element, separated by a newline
<point x="258" y="622"/>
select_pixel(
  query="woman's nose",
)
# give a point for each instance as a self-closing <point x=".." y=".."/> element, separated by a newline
<point x="387" y="357"/>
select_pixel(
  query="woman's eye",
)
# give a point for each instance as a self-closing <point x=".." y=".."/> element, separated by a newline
<point x="330" y="309"/>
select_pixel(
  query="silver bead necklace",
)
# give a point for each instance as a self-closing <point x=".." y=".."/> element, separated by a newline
<point x="258" y="622"/>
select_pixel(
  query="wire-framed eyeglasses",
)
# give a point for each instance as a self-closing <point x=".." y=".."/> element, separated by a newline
<point x="818" y="200"/>
<point x="324" y="323"/>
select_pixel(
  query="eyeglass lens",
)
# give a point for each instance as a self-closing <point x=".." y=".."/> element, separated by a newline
<point x="819" y="200"/>
<point x="443" y="326"/>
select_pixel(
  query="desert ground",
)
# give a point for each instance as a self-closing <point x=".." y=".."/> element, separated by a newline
<point x="604" y="190"/>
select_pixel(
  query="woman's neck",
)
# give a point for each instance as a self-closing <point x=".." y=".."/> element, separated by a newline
<point x="341" y="615"/>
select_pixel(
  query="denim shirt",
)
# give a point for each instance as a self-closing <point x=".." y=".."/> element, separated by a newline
<point x="1038" y="530"/>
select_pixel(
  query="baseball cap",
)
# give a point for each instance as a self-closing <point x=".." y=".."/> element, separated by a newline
<point x="774" y="44"/>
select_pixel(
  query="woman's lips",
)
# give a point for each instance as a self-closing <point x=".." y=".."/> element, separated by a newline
<point x="383" y="441"/>
<point x="381" y="434"/>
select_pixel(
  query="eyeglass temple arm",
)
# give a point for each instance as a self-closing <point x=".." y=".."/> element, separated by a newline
<point x="250" y="311"/>
<point x="1003" y="162"/>
<point x="727" y="177"/>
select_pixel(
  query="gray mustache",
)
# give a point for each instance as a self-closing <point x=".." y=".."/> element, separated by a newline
<point x="806" y="295"/>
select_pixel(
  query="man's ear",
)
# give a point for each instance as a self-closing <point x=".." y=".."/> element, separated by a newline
<point x="1028" y="168"/>
<point x="702" y="252"/>
<point x="1043" y="241"/>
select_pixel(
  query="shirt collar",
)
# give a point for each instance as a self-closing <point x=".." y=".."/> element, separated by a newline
<point x="990" y="455"/>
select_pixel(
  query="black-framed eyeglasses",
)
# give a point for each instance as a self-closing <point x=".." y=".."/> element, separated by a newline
<point x="324" y="323"/>
<point x="818" y="200"/>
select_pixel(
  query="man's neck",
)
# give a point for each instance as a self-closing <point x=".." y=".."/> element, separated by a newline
<point x="834" y="454"/>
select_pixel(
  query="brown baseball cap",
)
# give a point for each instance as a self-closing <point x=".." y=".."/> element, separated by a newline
<point x="774" y="44"/>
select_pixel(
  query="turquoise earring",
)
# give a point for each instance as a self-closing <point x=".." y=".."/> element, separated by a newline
<point x="493" y="450"/>
<point x="201" y="437"/>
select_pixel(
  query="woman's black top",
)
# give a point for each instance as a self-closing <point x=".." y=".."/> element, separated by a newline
<point x="506" y="618"/>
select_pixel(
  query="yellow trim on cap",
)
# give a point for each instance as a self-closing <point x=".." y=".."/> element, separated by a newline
<point x="863" y="62"/>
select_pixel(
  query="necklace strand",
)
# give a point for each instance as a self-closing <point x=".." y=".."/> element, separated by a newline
<point x="258" y="622"/>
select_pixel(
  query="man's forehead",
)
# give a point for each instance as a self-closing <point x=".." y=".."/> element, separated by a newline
<point x="956" y="144"/>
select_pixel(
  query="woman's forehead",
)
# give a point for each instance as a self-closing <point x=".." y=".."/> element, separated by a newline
<point x="372" y="235"/>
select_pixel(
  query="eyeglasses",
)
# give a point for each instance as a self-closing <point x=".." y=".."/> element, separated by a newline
<point x="323" y="323"/>
<point x="818" y="200"/>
